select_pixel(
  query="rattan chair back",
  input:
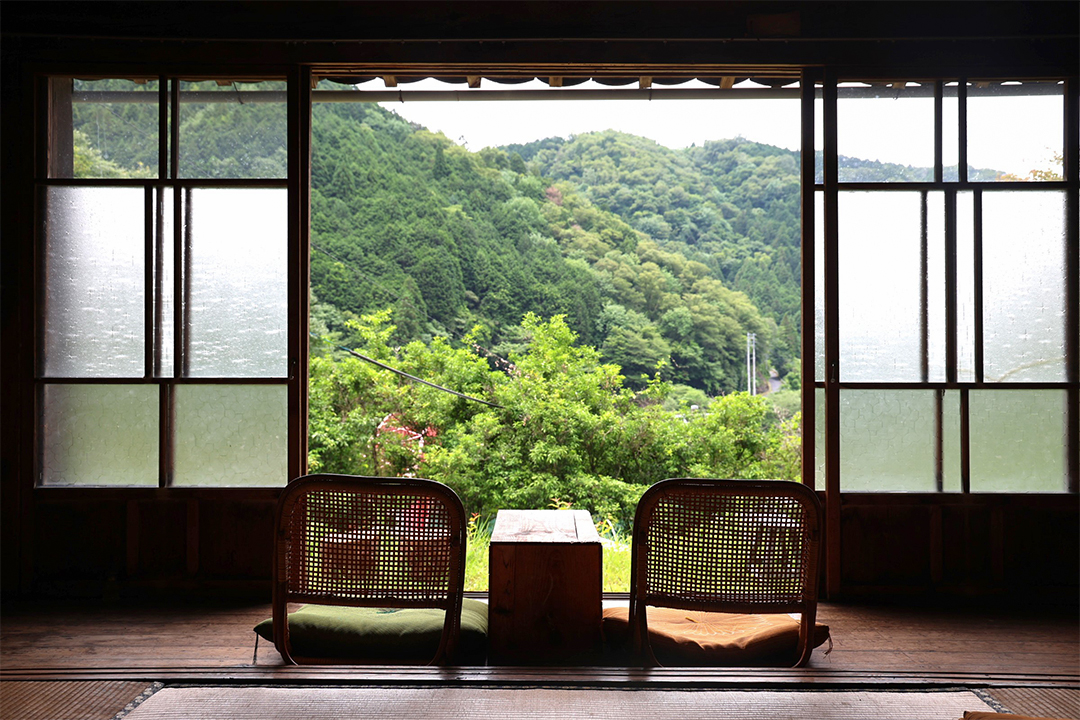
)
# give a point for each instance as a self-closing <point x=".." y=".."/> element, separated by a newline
<point x="368" y="542"/>
<point x="740" y="546"/>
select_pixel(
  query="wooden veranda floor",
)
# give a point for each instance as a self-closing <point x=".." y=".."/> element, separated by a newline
<point x="873" y="646"/>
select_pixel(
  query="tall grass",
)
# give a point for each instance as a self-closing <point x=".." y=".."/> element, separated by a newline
<point x="477" y="542"/>
<point x="616" y="545"/>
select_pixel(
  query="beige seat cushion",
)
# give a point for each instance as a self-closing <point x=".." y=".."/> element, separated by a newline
<point x="685" y="637"/>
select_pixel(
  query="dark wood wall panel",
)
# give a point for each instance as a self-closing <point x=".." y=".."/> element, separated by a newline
<point x="994" y="546"/>
<point x="1008" y="547"/>
<point x="235" y="540"/>
<point x="885" y="545"/>
<point x="1042" y="546"/>
<point x="968" y="553"/>
<point x="160" y="538"/>
<point x="79" y="547"/>
<point x="120" y="546"/>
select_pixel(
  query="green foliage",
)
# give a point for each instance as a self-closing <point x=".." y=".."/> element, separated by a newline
<point x="732" y="206"/>
<point x="88" y="162"/>
<point x="567" y="426"/>
<point x="124" y="135"/>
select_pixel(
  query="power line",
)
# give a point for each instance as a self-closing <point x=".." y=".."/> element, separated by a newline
<point x="404" y="374"/>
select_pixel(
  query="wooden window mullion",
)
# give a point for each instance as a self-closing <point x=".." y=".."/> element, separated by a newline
<point x="961" y="97"/>
<point x="951" y="351"/>
<point x="808" y="161"/>
<point x="977" y="273"/>
<point x="939" y="125"/>
<point x="168" y="389"/>
<point x="833" y="578"/>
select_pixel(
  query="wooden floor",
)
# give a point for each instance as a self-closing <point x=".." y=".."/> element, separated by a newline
<point x="873" y="645"/>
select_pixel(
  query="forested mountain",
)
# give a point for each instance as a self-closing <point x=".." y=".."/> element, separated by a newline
<point x="406" y="218"/>
<point x="732" y="205"/>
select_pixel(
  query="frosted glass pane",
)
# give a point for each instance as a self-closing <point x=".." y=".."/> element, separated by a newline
<point x="112" y="137"/>
<point x="1016" y="135"/>
<point x="94" y="306"/>
<point x="887" y="440"/>
<point x="239" y="299"/>
<point x="879" y="287"/>
<point x="231" y="435"/>
<point x="899" y="149"/>
<point x="241" y="135"/>
<point x="100" y="435"/>
<point x="935" y="286"/>
<point x="1024" y="286"/>
<point x="819" y="286"/>
<point x="950" y="441"/>
<point x="1018" y="440"/>
<point x="965" y="287"/>
<point x="819" y="140"/>
<point x="820" y="423"/>
<point x="164" y="287"/>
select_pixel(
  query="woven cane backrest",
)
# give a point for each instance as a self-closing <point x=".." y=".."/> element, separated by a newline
<point x="734" y="545"/>
<point x="370" y="541"/>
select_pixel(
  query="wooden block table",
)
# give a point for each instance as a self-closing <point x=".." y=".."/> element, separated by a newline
<point x="545" y="588"/>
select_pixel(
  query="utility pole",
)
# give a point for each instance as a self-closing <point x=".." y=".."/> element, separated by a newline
<point x="751" y="363"/>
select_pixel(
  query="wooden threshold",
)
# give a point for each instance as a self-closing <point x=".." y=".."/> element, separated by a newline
<point x="598" y="677"/>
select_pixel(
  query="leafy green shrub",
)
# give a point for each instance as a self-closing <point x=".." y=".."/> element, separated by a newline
<point x="559" y="424"/>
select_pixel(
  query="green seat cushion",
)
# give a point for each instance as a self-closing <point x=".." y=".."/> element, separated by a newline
<point x="332" y="631"/>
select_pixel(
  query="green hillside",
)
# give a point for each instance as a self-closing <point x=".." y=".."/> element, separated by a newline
<point x="405" y="218"/>
<point x="732" y="205"/>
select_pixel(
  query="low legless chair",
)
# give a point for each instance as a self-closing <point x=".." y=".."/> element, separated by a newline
<point x="345" y="542"/>
<point x="747" y="547"/>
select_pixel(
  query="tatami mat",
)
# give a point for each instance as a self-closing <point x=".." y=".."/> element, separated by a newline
<point x="1039" y="702"/>
<point x="63" y="700"/>
<point x="274" y="703"/>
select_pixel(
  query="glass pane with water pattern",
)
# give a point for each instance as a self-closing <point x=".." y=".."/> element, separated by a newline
<point x="820" y="423"/>
<point x="164" y="289"/>
<point x="95" y="314"/>
<point x="965" y="287"/>
<point x="238" y="310"/>
<point x="880" y="287"/>
<point x="819" y="286"/>
<point x="935" y="287"/>
<point x="888" y="441"/>
<point x="231" y="435"/>
<point x="1018" y="440"/>
<point x="1024" y="286"/>
<point x="100" y="435"/>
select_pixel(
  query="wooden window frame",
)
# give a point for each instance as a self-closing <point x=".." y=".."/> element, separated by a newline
<point x="831" y="384"/>
<point x="295" y="184"/>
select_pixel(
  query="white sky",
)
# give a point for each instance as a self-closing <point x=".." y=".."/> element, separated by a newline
<point x="1005" y="134"/>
